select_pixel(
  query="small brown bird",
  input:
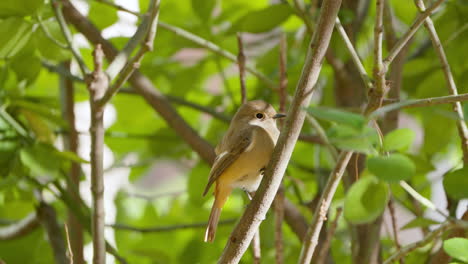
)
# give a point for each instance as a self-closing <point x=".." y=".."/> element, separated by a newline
<point x="242" y="155"/>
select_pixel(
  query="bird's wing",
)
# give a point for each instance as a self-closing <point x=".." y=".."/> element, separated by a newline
<point x="230" y="148"/>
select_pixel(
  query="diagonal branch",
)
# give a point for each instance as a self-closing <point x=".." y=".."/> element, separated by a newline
<point x="48" y="218"/>
<point x="158" y="229"/>
<point x="457" y="107"/>
<point x="410" y="33"/>
<point x="257" y="209"/>
<point x="126" y="68"/>
<point x="241" y="63"/>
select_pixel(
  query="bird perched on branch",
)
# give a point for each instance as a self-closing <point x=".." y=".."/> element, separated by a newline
<point x="242" y="155"/>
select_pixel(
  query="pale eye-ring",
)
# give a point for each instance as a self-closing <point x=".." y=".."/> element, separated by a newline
<point x="259" y="115"/>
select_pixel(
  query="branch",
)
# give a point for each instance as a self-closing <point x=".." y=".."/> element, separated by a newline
<point x="216" y="49"/>
<point x="322" y="254"/>
<point x="256" y="251"/>
<point x="279" y="217"/>
<point x="354" y="55"/>
<point x="427" y="239"/>
<point x="97" y="83"/>
<point x="313" y="232"/>
<point x="20" y="228"/>
<point x="256" y="211"/>
<point x="391" y="208"/>
<point x="143" y="86"/>
<point x="241" y="63"/>
<point x="126" y="68"/>
<point x="48" y="218"/>
<point x="377" y="94"/>
<point x="59" y="69"/>
<point x="70" y="142"/>
<point x="68" y="37"/>
<point x="409" y="34"/>
<point x="158" y="229"/>
<point x="419" y="103"/>
<point x="458" y="109"/>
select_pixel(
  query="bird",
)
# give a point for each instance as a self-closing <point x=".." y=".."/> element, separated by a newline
<point x="241" y="156"/>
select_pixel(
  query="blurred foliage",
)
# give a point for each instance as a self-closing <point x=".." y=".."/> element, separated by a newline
<point x="166" y="178"/>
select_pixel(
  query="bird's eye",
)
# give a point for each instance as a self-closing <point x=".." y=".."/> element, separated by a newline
<point x="259" y="115"/>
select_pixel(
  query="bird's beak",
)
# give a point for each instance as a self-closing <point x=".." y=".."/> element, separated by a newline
<point x="279" y="116"/>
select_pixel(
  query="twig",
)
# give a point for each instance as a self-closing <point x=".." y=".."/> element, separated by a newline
<point x="59" y="69"/>
<point x="279" y="217"/>
<point x="427" y="239"/>
<point x="457" y="107"/>
<point x="409" y="34"/>
<point x="20" y="228"/>
<point x="283" y="83"/>
<point x="322" y="254"/>
<point x="48" y="218"/>
<point x="70" y="142"/>
<point x="421" y="199"/>
<point x="241" y="64"/>
<point x="391" y="208"/>
<point x="354" y="55"/>
<point x="119" y="7"/>
<point x="256" y="211"/>
<point x="170" y="228"/>
<point x="12" y="122"/>
<point x="216" y="49"/>
<point x="419" y="103"/>
<point x="311" y="240"/>
<point x="133" y="63"/>
<point x="68" y="37"/>
<point x="97" y="83"/>
<point x="377" y="94"/>
<point x="256" y="251"/>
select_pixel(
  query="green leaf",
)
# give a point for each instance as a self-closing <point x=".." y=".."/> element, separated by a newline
<point x="15" y="34"/>
<point x="400" y="139"/>
<point x="456" y="184"/>
<point x="102" y="15"/>
<point x="203" y="8"/>
<point x="48" y="48"/>
<point x="353" y="120"/>
<point x="419" y="222"/>
<point x="366" y="200"/>
<point x="27" y="67"/>
<point x="41" y="159"/>
<point x="457" y="248"/>
<point x="19" y="7"/>
<point x="348" y="138"/>
<point x="262" y="20"/>
<point x="393" y="168"/>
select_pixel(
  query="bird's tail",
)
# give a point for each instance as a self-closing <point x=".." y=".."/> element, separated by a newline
<point x="212" y="223"/>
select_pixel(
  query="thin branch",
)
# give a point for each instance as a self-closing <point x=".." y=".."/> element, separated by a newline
<point x="59" y="69"/>
<point x="409" y="34"/>
<point x="146" y="46"/>
<point x="48" y="218"/>
<point x="119" y="7"/>
<point x="313" y="232"/>
<point x="279" y="217"/>
<point x="421" y="199"/>
<point x="48" y="35"/>
<point x="391" y="208"/>
<point x="411" y="247"/>
<point x="323" y="253"/>
<point x="257" y="209"/>
<point x="377" y="94"/>
<point x="452" y="87"/>
<point x="20" y="228"/>
<point x="70" y="142"/>
<point x="256" y="251"/>
<point x="13" y="123"/>
<point x="216" y="49"/>
<point x="354" y="55"/>
<point x="241" y="64"/>
<point x="158" y="229"/>
<point x="68" y="37"/>
<point x="283" y="83"/>
<point x="97" y="83"/>
<point x="419" y="103"/>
